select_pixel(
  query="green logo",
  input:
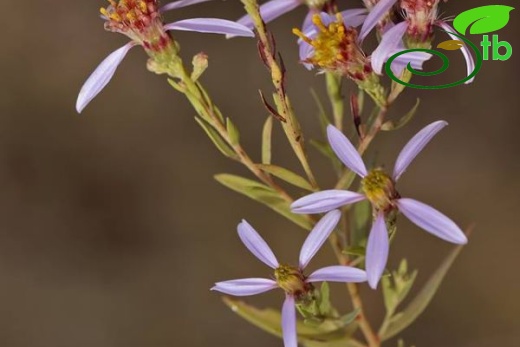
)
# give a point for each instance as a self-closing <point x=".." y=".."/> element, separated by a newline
<point x="479" y="20"/>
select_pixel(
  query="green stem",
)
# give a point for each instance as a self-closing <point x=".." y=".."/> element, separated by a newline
<point x="290" y="126"/>
<point x="336" y="99"/>
<point x="200" y="101"/>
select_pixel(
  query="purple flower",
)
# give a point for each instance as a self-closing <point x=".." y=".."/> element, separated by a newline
<point x="392" y="43"/>
<point x="311" y="29"/>
<point x="420" y="18"/>
<point x="376" y="14"/>
<point x="291" y="279"/>
<point x="379" y="189"/>
<point x="141" y="21"/>
<point x="331" y="43"/>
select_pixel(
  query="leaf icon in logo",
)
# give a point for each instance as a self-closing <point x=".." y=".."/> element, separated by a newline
<point x="450" y="45"/>
<point x="483" y="20"/>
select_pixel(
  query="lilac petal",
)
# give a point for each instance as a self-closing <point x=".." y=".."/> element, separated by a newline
<point x="256" y="244"/>
<point x="306" y="52"/>
<point x="325" y="201"/>
<point x="211" y="25"/>
<point x="431" y="220"/>
<point x="290" y="337"/>
<point x="245" y="287"/>
<point x="377" y="251"/>
<point x="338" y="273"/>
<point x="389" y="43"/>
<point x="415" y="146"/>
<point x="415" y="59"/>
<point x="178" y="4"/>
<point x="345" y="151"/>
<point x="307" y="21"/>
<point x="354" y="17"/>
<point x="470" y="63"/>
<point x="101" y="76"/>
<point x="318" y="235"/>
<point x="374" y="16"/>
<point x="271" y="10"/>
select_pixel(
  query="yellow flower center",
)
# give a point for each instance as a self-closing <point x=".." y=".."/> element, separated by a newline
<point x="331" y="44"/>
<point x="379" y="189"/>
<point x="291" y="280"/>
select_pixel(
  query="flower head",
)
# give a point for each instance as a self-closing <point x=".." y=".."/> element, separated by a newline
<point x="141" y="21"/>
<point x="421" y="17"/>
<point x="291" y="279"/>
<point x="379" y="188"/>
<point x="335" y="48"/>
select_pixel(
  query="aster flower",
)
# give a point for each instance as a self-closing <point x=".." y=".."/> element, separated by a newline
<point x="314" y="25"/>
<point x="141" y="21"/>
<point x="421" y="16"/>
<point x="290" y="279"/>
<point x="333" y="44"/>
<point x="379" y="188"/>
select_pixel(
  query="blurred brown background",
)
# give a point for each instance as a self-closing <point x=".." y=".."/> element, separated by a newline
<point x="112" y="229"/>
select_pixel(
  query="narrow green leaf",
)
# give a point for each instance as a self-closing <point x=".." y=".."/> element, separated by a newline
<point x="266" y="140"/>
<point x="483" y="19"/>
<point x="222" y="146"/>
<point x="390" y="125"/>
<point x="232" y="130"/>
<point x="361" y="100"/>
<point x="402" y="320"/>
<point x="263" y="194"/>
<point x="397" y="287"/>
<point x="348" y="180"/>
<point x="286" y="175"/>
<point x="362" y="213"/>
<point x="350" y="317"/>
<point x="325" y="305"/>
<point x="207" y="99"/>
<point x="269" y="320"/>
<point x="178" y="87"/>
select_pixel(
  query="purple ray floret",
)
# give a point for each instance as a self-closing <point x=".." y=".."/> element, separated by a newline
<point x="259" y="248"/>
<point x="105" y="71"/>
<point x="422" y="215"/>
